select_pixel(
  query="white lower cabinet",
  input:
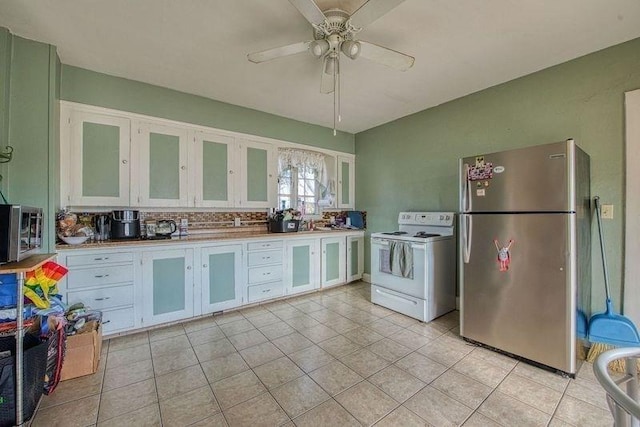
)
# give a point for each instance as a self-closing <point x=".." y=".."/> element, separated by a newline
<point x="302" y="265"/>
<point x="355" y="258"/>
<point x="221" y="277"/>
<point x="102" y="280"/>
<point x="167" y="285"/>
<point x="150" y="285"/>
<point x="333" y="261"/>
<point x="264" y="270"/>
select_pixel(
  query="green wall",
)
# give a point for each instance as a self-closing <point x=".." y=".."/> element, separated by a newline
<point x="581" y="99"/>
<point x="29" y="122"/>
<point x="89" y="87"/>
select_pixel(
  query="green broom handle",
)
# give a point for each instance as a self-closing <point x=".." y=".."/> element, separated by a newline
<point x="604" y="257"/>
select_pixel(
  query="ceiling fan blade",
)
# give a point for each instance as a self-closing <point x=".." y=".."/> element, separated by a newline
<point x="278" y="52"/>
<point x="384" y="56"/>
<point x="371" y="11"/>
<point x="309" y="9"/>
<point x="327" y="81"/>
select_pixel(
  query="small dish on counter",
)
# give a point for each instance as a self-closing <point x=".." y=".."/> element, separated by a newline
<point x="74" y="240"/>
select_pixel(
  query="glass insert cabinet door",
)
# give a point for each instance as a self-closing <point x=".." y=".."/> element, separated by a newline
<point x="167" y="285"/>
<point x="355" y="258"/>
<point x="221" y="278"/>
<point x="162" y="153"/>
<point x="98" y="159"/>
<point x="258" y="174"/>
<point x="346" y="182"/>
<point x="302" y="264"/>
<point x="333" y="261"/>
<point x="213" y="170"/>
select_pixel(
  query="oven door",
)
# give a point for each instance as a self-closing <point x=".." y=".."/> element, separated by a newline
<point x="382" y="276"/>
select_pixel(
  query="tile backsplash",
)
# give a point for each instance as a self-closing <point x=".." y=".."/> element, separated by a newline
<point x="208" y="220"/>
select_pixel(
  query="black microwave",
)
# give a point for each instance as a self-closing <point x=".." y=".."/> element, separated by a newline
<point x="20" y="232"/>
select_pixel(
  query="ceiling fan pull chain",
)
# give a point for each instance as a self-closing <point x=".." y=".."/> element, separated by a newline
<point x="337" y="83"/>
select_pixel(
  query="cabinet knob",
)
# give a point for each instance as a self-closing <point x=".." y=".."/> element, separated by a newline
<point x="204" y="265"/>
<point x="188" y="267"/>
<point x="230" y="172"/>
<point x="183" y="167"/>
<point x="124" y="162"/>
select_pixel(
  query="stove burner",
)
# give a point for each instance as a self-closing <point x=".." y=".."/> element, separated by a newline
<point x="425" y="234"/>
<point x="395" y="233"/>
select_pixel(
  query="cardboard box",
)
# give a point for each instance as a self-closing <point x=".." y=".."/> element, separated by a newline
<point x="83" y="352"/>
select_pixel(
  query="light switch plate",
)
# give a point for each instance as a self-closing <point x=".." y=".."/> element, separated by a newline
<point x="607" y="211"/>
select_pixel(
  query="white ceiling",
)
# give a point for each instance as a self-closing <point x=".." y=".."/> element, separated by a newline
<point x="200" y="47"/>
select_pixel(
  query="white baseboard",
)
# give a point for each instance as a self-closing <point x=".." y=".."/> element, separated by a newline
<point x="366" y="277"/>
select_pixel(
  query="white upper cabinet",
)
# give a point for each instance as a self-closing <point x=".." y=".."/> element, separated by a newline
<point x="346" y="182"/>
<point x="160" y="153"/>
<point x="112" y="158"/>
<point x="212" y="162"/>
<point x="258" y="174"/>
<point x="94" y="159"/>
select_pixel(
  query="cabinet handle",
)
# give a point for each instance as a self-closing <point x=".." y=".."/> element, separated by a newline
<point x="266" y="290"/>
<point x="104" y="322"/>
<point x="204" y="265"/>
<point x="230" y="172"/>
<point x="102" y="299"/>
<point x="183" y="167"/>
<point x="124" y="162"/>
<point x="266" y="257"/>
<point x="98" y="276"/>
<point x="266" y="274"/>
<point x="101" y="258"/>
<point x="188" y="267"/>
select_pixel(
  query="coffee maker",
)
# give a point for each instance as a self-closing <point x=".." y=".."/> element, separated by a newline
<point x="125" y="224"/>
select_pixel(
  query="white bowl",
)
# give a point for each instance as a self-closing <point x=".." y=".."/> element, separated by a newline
<point x="74" y="240"/>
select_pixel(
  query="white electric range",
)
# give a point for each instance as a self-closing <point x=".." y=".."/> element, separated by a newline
<point x="413" y="269"/>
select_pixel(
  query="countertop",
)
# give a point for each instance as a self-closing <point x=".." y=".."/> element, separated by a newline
<point x="236" y="234"/>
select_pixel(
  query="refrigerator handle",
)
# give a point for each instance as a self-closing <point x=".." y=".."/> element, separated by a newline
<point x="467" y="234"/>
<point x="466" y="190"/>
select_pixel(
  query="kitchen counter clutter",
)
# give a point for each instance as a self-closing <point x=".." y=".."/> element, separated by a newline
<point x="142" y="283"/>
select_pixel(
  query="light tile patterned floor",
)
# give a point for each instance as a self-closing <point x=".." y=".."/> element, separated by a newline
<point x="329" y="358"/>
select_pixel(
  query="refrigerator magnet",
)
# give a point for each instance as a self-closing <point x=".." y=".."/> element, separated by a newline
<point x="504" y="255"/>
<point x="480" y="192"/>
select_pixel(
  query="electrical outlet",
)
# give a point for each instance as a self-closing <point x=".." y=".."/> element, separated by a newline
<point x="607" y="211"/>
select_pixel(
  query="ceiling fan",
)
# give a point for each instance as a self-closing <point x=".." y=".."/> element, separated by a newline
<point x="334" y="32"/>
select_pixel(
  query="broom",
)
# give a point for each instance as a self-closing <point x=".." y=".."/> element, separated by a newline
<point x="608" y="329"/>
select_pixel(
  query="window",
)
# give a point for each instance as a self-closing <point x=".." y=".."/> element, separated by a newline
<point x="301" y="181"/>
<point x="298" y="189"/>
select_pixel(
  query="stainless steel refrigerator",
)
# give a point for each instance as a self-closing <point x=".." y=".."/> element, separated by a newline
<point x="525" y="252"/>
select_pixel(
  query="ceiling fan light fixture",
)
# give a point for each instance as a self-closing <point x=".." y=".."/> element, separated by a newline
<point x="350" y="48"/>
<point x="319" y="47"/>
<point x="330" y="64"/>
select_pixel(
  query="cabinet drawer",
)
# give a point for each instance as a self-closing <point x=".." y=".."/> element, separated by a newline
<point x="99" y="276"/>
<point x="265" y="291"/>
<point x="103" y="298"/>
<point x="117" y="320"/>
<point x="270" y="244"/>
<point x="265" y="274"/>
<point x="264" y="257"/>
<point x="98" y="259"/>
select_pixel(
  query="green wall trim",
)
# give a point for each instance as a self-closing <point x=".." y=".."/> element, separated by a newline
<point x="93" y="88"/>
<point x="581" y="99"/>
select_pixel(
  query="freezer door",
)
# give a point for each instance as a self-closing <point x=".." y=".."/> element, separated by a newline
<point x="524" y="305"/>
<point x="525" y="180"/>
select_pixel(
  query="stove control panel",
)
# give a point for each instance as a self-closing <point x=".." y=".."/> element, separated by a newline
<point x="441" y="219"/>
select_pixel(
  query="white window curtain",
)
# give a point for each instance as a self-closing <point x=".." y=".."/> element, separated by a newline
<point x="291" y="157"/>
